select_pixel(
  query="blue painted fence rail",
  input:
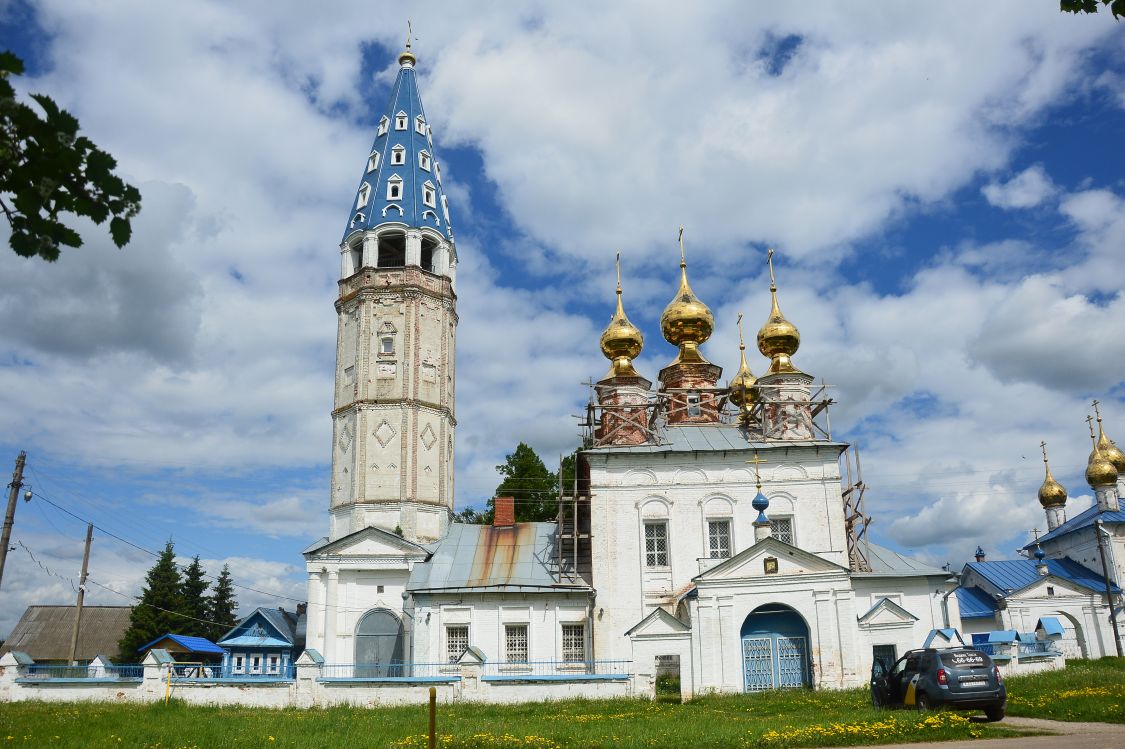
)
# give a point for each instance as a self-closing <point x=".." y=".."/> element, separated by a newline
<point x="110" y="673"/>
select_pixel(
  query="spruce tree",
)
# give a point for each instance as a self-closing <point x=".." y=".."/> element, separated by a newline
<point x="155" y="612"/>
<point x="222" y="605"/>
<point x="196" y="601"/>
<point x="535" y="489"/>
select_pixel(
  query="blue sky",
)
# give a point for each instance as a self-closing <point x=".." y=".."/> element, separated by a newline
<point x="944" y="187"/>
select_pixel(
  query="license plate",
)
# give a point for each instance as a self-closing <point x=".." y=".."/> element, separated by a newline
<point x="972" y="683"/>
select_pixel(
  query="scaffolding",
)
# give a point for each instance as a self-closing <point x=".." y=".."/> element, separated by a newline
<point x="856" y="521"/>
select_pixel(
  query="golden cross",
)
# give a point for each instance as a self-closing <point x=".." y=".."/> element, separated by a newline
<point x="409" y="33"/>
<point x="1098" y="412"/>
<point x="756" y="461"/>
<point x="619" y="272"/>
<point x="683" y="262"/>
<point x="1043" y="446"/>
<point x="741" y="342"/>
<point x="1090" y="423"/>
<point x="769" y="260"/>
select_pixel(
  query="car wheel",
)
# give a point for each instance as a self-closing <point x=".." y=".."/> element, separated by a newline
<point x="875" y="701"/>
<point x="922" y="702"/>
<point x="994" y="712"/>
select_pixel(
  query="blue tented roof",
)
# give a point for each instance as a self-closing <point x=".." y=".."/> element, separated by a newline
<point x="975" y="603"/>
<point x="1016" y="574"/>
<point x="189" y="643"/>
<point x="1082" y="520"/>
<point x="413" y="172"/>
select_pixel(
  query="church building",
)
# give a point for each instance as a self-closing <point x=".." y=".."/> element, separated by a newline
<point x="708" y="525"/>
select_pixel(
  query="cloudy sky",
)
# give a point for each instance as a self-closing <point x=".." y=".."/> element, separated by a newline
<point x="944" y="184"/>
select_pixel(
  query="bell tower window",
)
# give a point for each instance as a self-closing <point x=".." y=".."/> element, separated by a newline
<point x="383" y="124"/>
<point x="424" y="160"/>
<point x="420" y="125"/>
<point x="392" y="250"/>
<point x="400" y="121"/>
<point x="372" y="162"/>
<point x="398" y="155"/>
<point x="364" y="194"/>
<point x="429" y="194"/>
<point x="429" y="244"/>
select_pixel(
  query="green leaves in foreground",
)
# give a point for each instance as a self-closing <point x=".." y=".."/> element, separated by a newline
<point x="47" y="168"/>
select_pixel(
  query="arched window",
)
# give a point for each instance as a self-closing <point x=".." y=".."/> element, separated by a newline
<point x="400" y="121"/>
<point x="420" y="125"/>
<point x="429" y="194"/>
<point x="394" y="188"/>
<point x="364" y="194"/>
<point x="383" y="124"/>
<point x="398" y="155"/>
<point x="372" y="162"/>
<point x="429" y="244"/>
<point x="379" y="645"/>
<point x="424" y="160"/>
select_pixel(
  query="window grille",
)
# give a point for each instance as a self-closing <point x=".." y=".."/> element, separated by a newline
<point x="456" y="641"/>
<point x="573" y="642"/>
<point x="515" y="643"/>
<point x="656" y="544"/>
<point x="782" y="529"/>
<point x="718" y="539"/>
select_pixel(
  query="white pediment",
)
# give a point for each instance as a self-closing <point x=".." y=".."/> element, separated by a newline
<point x="887" y="613"/>
<point x="659" y="624"/>
<point x="1061" y="587"/>
<point x="370" y="542"/>
<point x="752" y="563"/>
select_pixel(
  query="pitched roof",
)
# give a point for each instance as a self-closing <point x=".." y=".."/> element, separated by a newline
<point x="44" y="632"/>
<point x="887" y="563"/>
<point x="1015" y="574"/>
<point x="1082" y="520"/>
<point x="486" y="557"/>
<point x="975" y="603"/>
<point x="190" y="643"/>
<point x="409" y="208"/>
<point x="281" y="632"/>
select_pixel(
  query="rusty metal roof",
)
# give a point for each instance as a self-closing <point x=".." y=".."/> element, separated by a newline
<point x="44" y="632"/>
<point x="486" y="557"/>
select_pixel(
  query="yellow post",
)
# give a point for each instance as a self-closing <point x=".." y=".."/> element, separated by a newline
<point x="168" y="687"/>
<point x="431" y="742"/>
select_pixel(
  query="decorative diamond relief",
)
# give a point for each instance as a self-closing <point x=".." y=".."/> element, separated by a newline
<point x="384" y="433"/>
<point x="345" y="438"/>
<point x="428" y="437"/>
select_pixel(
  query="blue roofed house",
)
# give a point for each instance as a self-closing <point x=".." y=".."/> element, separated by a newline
<point x="266" y="643"/>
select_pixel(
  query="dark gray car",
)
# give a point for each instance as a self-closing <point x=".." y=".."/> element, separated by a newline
<point x="957" y="678"/>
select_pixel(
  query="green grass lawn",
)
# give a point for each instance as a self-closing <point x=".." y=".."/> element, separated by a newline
<point x="777" y="719"/>
<point x="1083" y="691"/>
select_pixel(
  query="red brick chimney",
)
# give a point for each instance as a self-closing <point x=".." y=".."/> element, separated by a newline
<point x="504" y="511"/>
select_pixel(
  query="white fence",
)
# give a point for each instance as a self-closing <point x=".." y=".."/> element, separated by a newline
<point x="315" y="684"/>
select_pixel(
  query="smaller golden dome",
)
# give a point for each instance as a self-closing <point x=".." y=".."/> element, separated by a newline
<point x="1100" y="471"/>
<point x="407" y="57"/>
<point x="1051" y="493"/>
<point x="743" y="387"/>
<point x="622" y="341"/>
<point x="778" y="339"/>
<point x="687" y="322"/>
<point x="1110" y="450"/>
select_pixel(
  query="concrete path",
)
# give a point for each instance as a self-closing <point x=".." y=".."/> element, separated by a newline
<point x="1070" y="735"/>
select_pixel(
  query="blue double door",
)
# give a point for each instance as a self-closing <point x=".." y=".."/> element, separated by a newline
<point x="775" y="649"/>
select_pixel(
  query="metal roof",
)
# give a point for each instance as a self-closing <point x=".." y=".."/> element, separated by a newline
<point x="887" y="563"/>
<point x="284" y="626"/>
<point x="975" y="603"/>
<point x="1016" y="574"/>
<point x="705" y="438"/>
<point x="486" y="557"/>
<point x="190" y="643"/>
<point x="44" y="632"/>
<point x="1082" y="520"/>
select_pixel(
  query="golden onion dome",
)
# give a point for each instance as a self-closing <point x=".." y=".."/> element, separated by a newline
<point x="622" y="341"/>
<point x="743" y="386"/>
<point x="407" y="57"/>
<point x="1111" y="451"/>
<point x="778" y="339"/>
<point x="1100" y="471"/>
<point x="1051" y="493"/>
<point x="686" y="322"/>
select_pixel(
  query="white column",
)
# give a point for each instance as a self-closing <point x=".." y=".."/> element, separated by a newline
<point x="370" y="251"/>
<point x="441" y="259"/>
<point x="346" y="262"/>
<point x="330" y="609"/>
<point x="413" y="247"/>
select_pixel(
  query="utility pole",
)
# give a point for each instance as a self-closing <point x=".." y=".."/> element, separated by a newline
<point x="81" y="594"/>
<point x="1108" y="592"/>
<point x="10" y="515"/>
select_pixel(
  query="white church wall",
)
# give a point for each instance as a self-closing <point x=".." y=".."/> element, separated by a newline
<point x="339" y="595"/>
